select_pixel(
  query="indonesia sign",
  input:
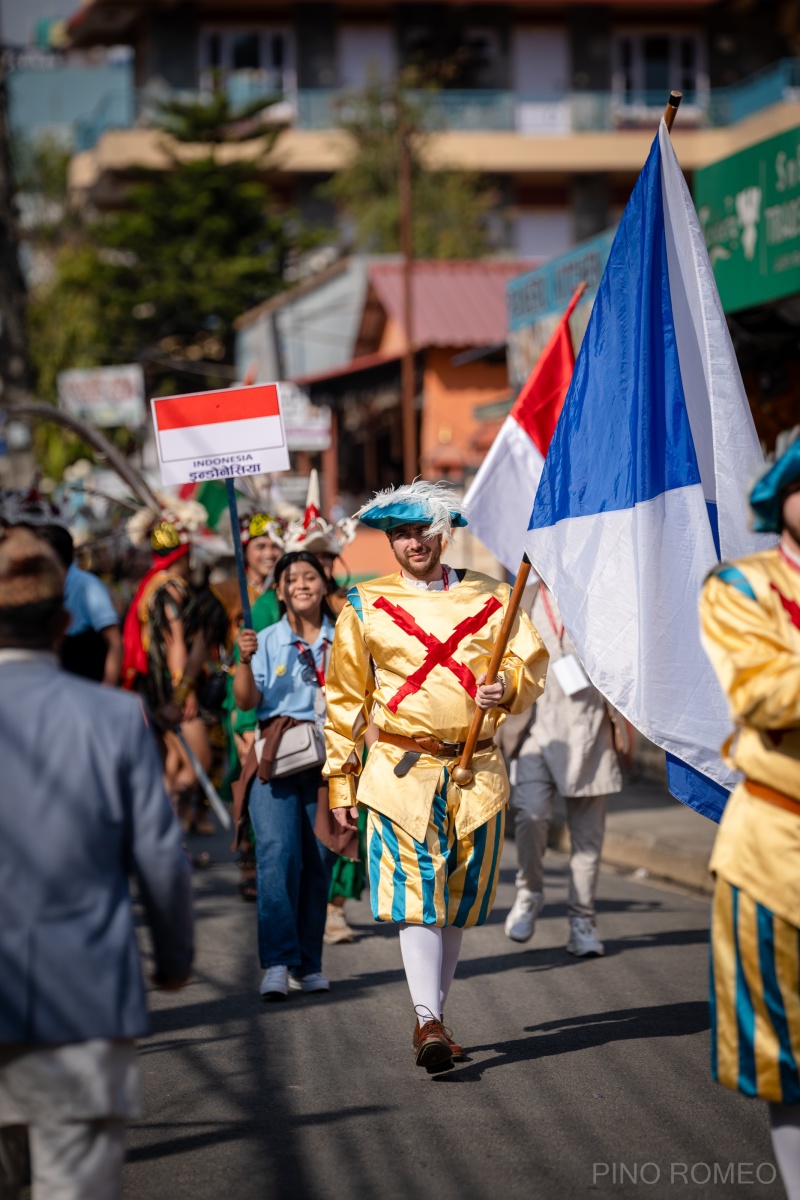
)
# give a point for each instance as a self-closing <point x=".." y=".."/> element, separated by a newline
<point x="217" y="435"/>
<point x="104" y="396"/>
<point x="749" y="209"/>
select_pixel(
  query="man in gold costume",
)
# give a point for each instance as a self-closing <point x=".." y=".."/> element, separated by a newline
<point x="410" y="654"/>
<point x="750" y="618"/>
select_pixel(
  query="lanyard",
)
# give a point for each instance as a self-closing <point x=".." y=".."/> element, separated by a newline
<point x="445" y="578"/>
<point x="308" y="657"/>
<point x="558" y="632"/>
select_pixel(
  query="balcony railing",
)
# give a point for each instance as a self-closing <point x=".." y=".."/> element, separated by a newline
<point x="532" y="113"/>
<point x="570" y="112"/>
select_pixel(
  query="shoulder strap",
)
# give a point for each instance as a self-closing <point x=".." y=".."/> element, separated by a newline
<point x="734" y="577"/>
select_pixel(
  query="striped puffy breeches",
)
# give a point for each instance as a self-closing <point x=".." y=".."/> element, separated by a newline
<point x="755" y="998"/>
<point x="443" y="880"/>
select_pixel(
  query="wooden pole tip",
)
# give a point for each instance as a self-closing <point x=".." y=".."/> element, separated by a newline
<point x="461" y="775"/>
<point x="672" y="108"/>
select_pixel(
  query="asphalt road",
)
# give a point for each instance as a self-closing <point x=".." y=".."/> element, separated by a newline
<point x="585" y="1077"/>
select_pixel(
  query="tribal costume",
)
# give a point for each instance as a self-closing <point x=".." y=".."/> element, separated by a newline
<point x="324" y="539"/>
<point x="750" y="617"/>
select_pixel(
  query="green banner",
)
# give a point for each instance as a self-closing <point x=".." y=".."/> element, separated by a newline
<point x="749" y="209"/>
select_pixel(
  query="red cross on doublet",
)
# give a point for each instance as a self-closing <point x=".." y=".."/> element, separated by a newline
<point x="439" y="653"/>
<point x="790" y="607"/>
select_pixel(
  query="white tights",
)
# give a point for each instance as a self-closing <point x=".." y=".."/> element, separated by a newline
<point x="430" y="956"/>
<point x="785" y="1122"/>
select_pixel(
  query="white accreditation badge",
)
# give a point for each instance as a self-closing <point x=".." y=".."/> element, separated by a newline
<point x="569" y="675"/>
<point x="320" y="709"/>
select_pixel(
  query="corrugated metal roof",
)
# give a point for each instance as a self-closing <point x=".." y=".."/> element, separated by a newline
<point x="363" y="363"/>
<point x="455" y="303"/>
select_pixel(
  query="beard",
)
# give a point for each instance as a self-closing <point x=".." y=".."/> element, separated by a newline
<point x="793" y="529"/>
<point x="418" y="566"/>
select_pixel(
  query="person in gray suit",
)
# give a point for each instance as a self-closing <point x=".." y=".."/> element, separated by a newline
<point x="82" y="805"/>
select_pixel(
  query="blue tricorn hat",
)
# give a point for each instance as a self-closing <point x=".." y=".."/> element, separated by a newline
<point x="419" y="503"/>
<point x="766" y="498"/>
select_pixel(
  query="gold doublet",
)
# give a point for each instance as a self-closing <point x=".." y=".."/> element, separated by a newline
<point x="750" y="619"/>
<point x="408" y="658"/>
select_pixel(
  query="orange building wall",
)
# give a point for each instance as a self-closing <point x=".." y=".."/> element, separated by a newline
<point x="393" y="339"/>
<point x="451" y="395"/>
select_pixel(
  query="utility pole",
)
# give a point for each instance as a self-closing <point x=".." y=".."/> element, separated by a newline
<point x="408" y="403"/>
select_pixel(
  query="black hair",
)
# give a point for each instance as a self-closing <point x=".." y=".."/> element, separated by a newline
<point x="303" y="556"/>
<point x="788" y="491"/>
<point x="60" y="539"/>
<point x="31" y="626"/>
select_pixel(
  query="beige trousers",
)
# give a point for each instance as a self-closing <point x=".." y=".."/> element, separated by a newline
<point x="532" y="805"/>
<point x="69" y="1160"/>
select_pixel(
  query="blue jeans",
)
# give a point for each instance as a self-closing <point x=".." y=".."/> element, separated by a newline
<point x="292" y="879"/>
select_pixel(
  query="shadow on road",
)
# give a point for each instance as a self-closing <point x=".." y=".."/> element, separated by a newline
<point x="586" y="1033"/>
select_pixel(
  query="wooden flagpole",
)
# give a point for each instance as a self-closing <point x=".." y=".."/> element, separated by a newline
<point x="673" y="104"/>
<point x="463" y="774"/>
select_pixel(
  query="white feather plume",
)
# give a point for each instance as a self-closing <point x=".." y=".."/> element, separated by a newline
<point x="438" y="501"/>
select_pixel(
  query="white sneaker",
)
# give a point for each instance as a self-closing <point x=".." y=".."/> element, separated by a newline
<point x="275" y="984"/>
<point x="336" y="927"/>
<point x="309" y="983"/>
<point x="521" y="921"/>
<point x="583" y="939"/>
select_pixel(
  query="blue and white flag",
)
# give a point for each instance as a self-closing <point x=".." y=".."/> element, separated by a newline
<point x="644" y="485"/>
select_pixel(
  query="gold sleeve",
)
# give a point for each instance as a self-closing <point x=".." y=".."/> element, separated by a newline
<point x="349" y="685"/>
<point x="759" y="672"/>
<point x="524" y="666"/>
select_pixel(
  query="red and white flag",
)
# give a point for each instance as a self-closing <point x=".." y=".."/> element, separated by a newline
<point x="500" y="501"/>
<point x="216" y="435"/>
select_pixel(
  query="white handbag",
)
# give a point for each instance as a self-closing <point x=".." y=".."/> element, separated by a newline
<point x="300" y="748"/>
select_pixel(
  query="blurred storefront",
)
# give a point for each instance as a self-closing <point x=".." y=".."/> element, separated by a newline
<point x="749" y="208"/>
<point x="350" y="325"/>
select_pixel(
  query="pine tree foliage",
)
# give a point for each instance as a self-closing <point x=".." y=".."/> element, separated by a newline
<point x="162" y="280"/>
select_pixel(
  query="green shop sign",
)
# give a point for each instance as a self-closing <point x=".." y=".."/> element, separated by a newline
<point x="749" y="209"/>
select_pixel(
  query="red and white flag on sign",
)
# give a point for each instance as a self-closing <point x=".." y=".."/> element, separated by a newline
<point x="500" y="501"/>
<point x="222" y="422"/>
<point x="217" y="435"/>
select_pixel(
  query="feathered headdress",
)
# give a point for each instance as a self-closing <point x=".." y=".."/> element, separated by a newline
<point x="262" y="524"/>
<point x="28" y="508"/>
<point x="314" y="533"/>
<point x="419" y="503"/>
<point x="173" y="526"/>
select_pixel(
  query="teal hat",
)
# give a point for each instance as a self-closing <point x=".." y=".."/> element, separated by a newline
<point x="419" y="503"/>
<point x="766" y="498"/>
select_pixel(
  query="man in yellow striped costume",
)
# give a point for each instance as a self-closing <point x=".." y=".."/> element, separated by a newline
<point x="750" y="617"/>
<point x="410" y="654"/>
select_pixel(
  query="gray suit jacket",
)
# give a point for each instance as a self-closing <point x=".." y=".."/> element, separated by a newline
<point x="82" y="804"/>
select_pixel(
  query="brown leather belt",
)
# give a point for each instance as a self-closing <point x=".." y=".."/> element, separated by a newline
<point x="779" y="799"/>
<point x="423" y="743"/>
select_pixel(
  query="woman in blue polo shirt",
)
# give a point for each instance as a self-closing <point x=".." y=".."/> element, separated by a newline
<point x="281" y="673"/>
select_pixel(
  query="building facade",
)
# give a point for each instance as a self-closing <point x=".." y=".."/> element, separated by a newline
<point x="554" y="104"/>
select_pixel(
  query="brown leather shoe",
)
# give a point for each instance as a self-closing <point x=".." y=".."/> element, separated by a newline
<point x="431" y="1046"/>
<point x="456" y="1050"/>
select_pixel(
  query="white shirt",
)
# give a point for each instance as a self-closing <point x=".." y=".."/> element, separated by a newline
<point x="790" y="554"/>
<point x="435" y="585"/>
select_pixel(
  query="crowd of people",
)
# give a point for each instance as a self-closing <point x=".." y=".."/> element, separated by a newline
<point x="337" y="717"/>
